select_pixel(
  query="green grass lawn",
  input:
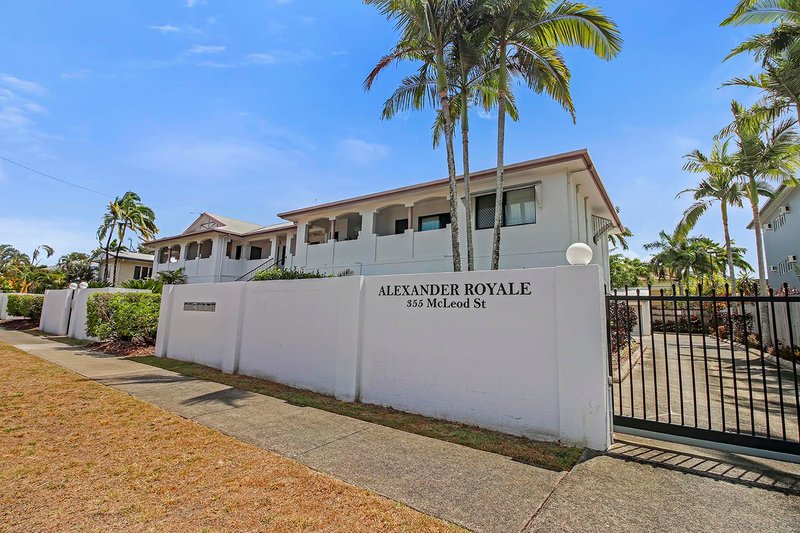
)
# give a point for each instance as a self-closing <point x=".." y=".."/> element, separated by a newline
<point x="548" y="455"/>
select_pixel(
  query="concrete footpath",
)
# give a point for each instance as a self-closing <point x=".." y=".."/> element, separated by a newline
<point x="640" y="485"/>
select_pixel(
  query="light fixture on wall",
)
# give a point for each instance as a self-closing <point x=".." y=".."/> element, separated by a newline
<point x="579" y="254"/>
<point x="83" y="285"/>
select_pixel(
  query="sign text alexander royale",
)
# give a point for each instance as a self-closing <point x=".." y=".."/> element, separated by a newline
<point x="455" y="295"/>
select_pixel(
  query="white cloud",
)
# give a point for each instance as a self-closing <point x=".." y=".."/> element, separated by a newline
<point x="17" y="114"/>
<point x="275" y="57"/>
<point x="206" y="49"/>
<point x="79" y="74"/>
<point x="360" y="151"/>
<point x="18" y="84"/>
<point x="165" y="28"/>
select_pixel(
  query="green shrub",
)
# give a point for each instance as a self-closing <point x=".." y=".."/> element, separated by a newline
<point x="123" y="316"/>
<point x="27" y="305"/>
<point x="152" y="285"/>
<point x="288" y="273"/>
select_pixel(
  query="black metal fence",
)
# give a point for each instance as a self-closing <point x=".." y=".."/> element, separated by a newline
<point x="712" y="366"/>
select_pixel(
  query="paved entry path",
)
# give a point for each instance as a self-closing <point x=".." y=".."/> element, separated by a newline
<point x="619" y="491"/>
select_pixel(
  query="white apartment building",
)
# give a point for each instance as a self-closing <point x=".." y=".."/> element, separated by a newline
<point x="549" y="204"/>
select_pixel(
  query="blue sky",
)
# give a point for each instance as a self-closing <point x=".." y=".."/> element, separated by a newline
<point x="250" y="108"/>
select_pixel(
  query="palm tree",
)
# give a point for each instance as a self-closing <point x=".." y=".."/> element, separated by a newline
<point x="721" y="186"/>
<point x="108" y="226"/>
<point x="36" y="255"/>
<point x="172" y="277"/>
<point x="786" y="13"/>
<point x="138" y="217"/>
<point x="525" y="36"/>
<point x="767" y="151"/>
<point x="427" y="30"/>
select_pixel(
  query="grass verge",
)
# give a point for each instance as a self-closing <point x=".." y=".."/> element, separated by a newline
<point x="548" y="455"/>
<point x="79" y="456"/>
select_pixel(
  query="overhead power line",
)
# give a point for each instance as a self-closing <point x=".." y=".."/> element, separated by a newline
<point x="77" y="186"/>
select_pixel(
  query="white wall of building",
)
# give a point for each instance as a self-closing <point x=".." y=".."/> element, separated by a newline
<point x="532" y="364"/>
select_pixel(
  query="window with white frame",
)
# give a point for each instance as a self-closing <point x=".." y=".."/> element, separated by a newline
<point x="142" y="272"/>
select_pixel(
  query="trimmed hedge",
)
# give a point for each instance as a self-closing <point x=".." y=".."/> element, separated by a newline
<point x="123" y="316"/>
<point x="27" y="305"/>
<point x="288" y="273"/>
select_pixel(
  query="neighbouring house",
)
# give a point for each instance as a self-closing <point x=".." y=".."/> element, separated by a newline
<point x="548" y="204"/>
<point x="780" y="223"/>
<point x="132" y="265"/>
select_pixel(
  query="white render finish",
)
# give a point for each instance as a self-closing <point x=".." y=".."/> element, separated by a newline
<point x="55" y="311"/>
<point x="566" y="199"/>
<point x="4" y="305"/>
<point x="782" y="237"/>
<point x="530" y="364"/>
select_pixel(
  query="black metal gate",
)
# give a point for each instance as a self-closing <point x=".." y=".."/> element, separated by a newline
<point x="718" y="367"/>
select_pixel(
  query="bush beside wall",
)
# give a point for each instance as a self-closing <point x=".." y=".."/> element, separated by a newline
<point x="27" y="305"/>
<point x="123" y="316"/>
<point x="288" y="273"/>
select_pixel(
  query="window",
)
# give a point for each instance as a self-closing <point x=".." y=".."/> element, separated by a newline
<point x="191" y="251"/>
<point x="142" y="272"/>
<point x="163" y="255"/>
<point x="229" y="249"/>
<point x="174" y="253"/>
<point x="432" y="222"/>
<point x="519" y="207"/>
<point x="400" y="226"/>
<point x="205" y="249"/>
<point x="238" y="252"/>
<point x="255" y="252"/>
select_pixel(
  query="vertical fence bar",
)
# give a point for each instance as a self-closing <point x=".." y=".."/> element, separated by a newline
<point x="610" y="350"/>
<point x="719" y="357"/>
<point x="763" y="364"/>
<point x="619" y="358"/>
<point x="774" y="321"/>
<point x="630" y="347"/>
<point x="691" y="354"/>
<point x="653" y="346"/>
<point x="743" y="319"/>
<point x="732" y="337"/>
<point x="705" y="353"/>
<point x="641" y="352"/>
<point x="678" y="348"/>
<point x="666" y="356"/>
<point x="792" y="355"/>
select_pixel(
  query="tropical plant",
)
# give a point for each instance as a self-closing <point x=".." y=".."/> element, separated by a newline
<point x="137" y="217"/>
<point x="172" y="277"/>
<point x="123" y="316"/>
<point x="767" y="150"/>
<point x="427" y="29"/>
<point x="25" y="305"/>
<point x="76" y="267"/>
<point x="719" y="186"/>
<point x="106" y="231"/>
<point x="783" y="36"/>
<point x="148" y="284"/>
<point x="525" y="36"/>
<point x="627" y="272"/>
<point x="276" y="273"/>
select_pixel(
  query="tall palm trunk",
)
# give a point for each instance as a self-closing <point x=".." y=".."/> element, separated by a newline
<point x="107" y="250"/>
<point x="501" y="139"/>
<point x="728" y="249"/>
<point x="444" y="101"/>
<point x="119" y="248"/>
<point x="753" y="196"/>
<point x="465" y="154"/>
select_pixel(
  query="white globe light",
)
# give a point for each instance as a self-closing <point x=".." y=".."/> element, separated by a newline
<point x="73" y="285"/>
<point x="83" y="285"/>
<point x="579" y="254"/>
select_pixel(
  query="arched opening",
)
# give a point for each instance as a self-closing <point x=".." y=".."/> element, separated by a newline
<point x="206" y="247"/>
<point x="431" y="214"/>
<point x="192" y="250"/>
<point x="391" y="220"/>
<point x="346" y="227"/>
<point x="174" y="253"/>
<point x="163" y="255"/>
<point x="318" y="231"/>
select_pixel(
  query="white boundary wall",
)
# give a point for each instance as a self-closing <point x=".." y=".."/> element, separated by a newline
<point x="64" y="311"/>
<point x="4" y="305"/>
<point x="528" y="359"/>
<point x="55" y="311"/>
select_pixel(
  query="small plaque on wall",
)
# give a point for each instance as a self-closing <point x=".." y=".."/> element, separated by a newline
<point x="200" y="306"/>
